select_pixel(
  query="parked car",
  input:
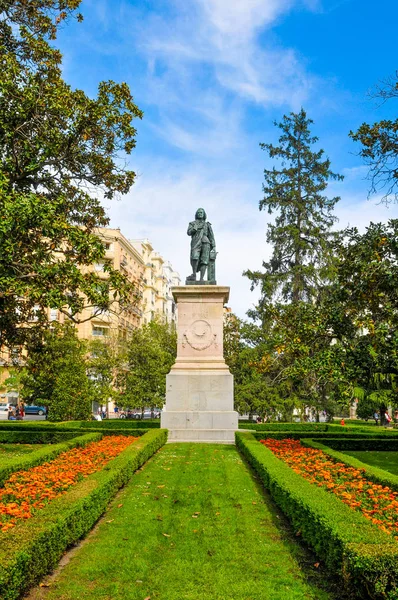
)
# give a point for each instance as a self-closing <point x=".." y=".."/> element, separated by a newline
<point x="4" y="407"/>
<point x="35" y="410"/>
<point x="147" y="414"/>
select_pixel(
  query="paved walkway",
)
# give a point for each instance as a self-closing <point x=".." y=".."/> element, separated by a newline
<point x="192" y="524"/>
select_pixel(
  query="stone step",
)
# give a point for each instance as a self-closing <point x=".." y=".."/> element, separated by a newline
<point x="213" y="436"/>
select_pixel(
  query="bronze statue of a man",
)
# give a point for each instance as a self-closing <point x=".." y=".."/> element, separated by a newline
<point x="203" y="248"/>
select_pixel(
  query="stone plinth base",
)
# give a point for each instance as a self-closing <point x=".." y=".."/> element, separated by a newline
<point x="200" y="389"/>
<point x="199" y="406"/>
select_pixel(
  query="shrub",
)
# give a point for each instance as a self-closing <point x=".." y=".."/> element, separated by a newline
<point x="284" y="426"/>
<point x="364" y="557"/>
<point x="36" y="437"/>
<point x="363" y="443"/>
<point x="112" y="424"/>
<point x="346" y="435"/>
<point x="33" y="548"/>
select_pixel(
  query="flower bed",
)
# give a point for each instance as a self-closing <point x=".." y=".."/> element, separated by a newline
<point x="34" y="547"/>
<point x="27" y="491"/>
<point x="376" y="502"/>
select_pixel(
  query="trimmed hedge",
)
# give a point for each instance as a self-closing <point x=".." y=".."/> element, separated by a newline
<point x="36" y="437"/>
<point x="33" y="548"/>
<point x="362" y="443"/>
<point x="107" y="424"/>
<point x="112" y="424"/>
<point x="365" y="557"/>
<point x="284" y="426"/>
<point x="316" y="427"/>
<point x="348" y="435"/>
<point x="43" y="455"/>
<point x="375" y="474"/>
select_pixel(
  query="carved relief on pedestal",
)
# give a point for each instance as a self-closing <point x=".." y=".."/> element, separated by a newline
<point x="199" y="335"/>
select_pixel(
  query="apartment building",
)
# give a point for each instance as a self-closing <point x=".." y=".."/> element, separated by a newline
<point x="159" y="277"/>
<point x="122" y="256"/>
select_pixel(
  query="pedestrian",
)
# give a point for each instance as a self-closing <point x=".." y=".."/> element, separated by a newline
<point x="22" y="410"/>
<point x="342" y="422"/>
<point x="376" y="417"/>
<point x="387" y="418"/>
<point x="11" y="414"/>
<point x="18" y="413"/>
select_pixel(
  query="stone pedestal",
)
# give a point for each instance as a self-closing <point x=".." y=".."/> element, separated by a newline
<point x="200" y="393"/>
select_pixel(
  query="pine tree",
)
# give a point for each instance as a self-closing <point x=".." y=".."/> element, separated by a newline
<point x="302" y="230"/>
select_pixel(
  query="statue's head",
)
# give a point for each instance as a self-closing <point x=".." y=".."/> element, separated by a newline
<point x="201" y="214"/>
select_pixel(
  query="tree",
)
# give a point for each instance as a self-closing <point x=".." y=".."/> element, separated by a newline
<point x="59" y="150"/>
<point x="151" y="353"/>
<point x="106" y="365"/>
<point x="301" y="233"/>
<point x="380" y="146"/>
<point x="13" y="383"/>
<point x="365" y="289"/>
<point x="56" y="375"/>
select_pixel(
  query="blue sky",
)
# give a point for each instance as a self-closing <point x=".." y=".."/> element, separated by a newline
<point x="211" y="77"/>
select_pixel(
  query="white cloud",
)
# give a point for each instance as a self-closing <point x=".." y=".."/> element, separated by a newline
<point x="224" y="35"/>
<point x="242" y="19"/>
<point x="354" y="211"/>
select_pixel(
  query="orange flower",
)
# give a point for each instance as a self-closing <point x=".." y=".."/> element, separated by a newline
<point x="377" y="503"/>
<point x="25" y="492"/>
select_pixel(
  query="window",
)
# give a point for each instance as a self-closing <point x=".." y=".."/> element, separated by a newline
<point x="99" y="331"/>
<point x="53" y="314"/>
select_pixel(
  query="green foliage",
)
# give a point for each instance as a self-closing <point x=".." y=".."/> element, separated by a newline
<point x="56" y="375"/>
<point x="110" y="424"/>
<point x="380" y="146"/>
<point x="301" y="234"/>
<point x="13" y="382"/>
<point x="35" y="546"/>
<point x="364" y="557"/>
<point x="291" y="427"/>
<point x="360" y="442"/>
<point x="297" y="366"/>
<point x="57" y="145"/>
<point x="107" y="360"/>
<point x="151" y="353"/>
<point x="107" y="427"/>
<point x="35" y="437"/>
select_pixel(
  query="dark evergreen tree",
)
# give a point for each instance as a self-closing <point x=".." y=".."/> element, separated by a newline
<point x="300" y="236"/>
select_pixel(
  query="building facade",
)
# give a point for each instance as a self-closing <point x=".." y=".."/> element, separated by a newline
<point x="159" y="278"/>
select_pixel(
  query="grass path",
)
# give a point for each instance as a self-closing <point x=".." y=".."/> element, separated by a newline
<point x="192" y="524"/>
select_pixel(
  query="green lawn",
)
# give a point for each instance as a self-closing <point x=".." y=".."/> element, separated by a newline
<point x="192" y="524"/>
<point x="377" y="458"/>
<point x="11" y="450"/>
